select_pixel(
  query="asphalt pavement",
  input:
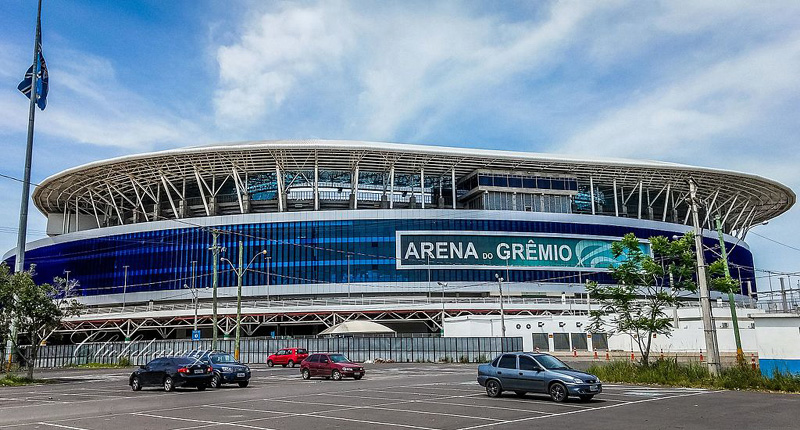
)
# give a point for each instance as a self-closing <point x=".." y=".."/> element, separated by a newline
<point x="400" y="396"/>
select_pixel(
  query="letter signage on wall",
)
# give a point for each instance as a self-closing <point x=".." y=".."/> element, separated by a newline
<point x="526" y="251"/>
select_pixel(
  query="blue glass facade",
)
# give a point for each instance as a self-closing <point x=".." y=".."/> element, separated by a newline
<point x="303" y="252"/>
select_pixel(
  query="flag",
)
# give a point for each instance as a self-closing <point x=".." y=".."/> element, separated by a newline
<point x="42" y="80"/>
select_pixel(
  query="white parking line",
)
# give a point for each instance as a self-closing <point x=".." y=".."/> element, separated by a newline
<point x="579" y="411"/>
<point x="62" y="426"/>
<point x="203" y="421"/>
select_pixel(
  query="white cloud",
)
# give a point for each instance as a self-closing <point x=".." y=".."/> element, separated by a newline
<point x="406" y="62"/>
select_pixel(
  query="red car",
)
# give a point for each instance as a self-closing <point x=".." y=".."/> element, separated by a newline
<point x="287" y="357"/>
<point x="330" y="366"/>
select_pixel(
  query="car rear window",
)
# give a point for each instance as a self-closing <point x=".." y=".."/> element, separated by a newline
<point x="180" y="361"/>
<point x="508" y="362"/>
<point x="302" y="351"/>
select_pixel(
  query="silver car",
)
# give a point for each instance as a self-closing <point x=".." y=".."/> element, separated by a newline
<point x="529" y="372"/>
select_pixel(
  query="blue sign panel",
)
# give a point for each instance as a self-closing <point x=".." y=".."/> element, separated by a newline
<point x="195" y="334"/>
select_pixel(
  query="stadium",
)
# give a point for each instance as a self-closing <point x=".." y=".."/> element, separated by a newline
<point x="404" y="235"/>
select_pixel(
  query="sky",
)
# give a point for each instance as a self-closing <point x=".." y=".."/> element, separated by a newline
<point x="706" y="83"/>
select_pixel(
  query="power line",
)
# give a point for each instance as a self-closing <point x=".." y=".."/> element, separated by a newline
<point x="775" y="241"/>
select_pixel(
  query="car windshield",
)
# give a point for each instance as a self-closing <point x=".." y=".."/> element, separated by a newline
<point x="339" y="358"/>
<point x="222" y="359"/>
<point x="550" y="362"/>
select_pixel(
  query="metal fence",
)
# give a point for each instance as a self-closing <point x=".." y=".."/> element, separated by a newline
<point x="256" y="350"/>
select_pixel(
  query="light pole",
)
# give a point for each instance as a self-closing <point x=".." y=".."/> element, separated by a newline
<point x="702" y="281"/>
<point x="269" y="260"/>
<point x="239" y="273"/>
<point x="502" y="312"/>
<point x="348" y="275"/>
<point x="443" y="285"/>
<point x="124" y="287"/>
<point x="194" y="302"/>
<point x="734" y="317"/>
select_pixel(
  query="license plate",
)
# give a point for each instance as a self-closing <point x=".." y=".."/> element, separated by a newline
<point x="357" y="373"/>
<point x="240" y="375"/>
<point x="594" y="388"/>
<point x="199" y="371"/>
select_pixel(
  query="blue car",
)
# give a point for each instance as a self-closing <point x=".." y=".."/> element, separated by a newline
<point x="226" y="369"/>
<point x="528" y="372"/>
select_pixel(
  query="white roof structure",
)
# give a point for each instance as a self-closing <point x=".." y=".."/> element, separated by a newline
<point x="356" y="327"/>
<point x="125" y="189"/>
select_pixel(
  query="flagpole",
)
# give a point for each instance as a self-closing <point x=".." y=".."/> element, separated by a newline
<point x="26" y="179"/>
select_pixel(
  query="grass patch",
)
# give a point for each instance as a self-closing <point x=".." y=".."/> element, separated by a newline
<point x="98" y="366"/>
<point x="670" y="372"/>
<point x="12" y="380"/>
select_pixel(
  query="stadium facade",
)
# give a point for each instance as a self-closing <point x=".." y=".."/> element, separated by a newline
<point x="357" y="224"/>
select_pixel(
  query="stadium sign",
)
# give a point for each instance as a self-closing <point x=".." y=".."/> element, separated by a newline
<point x="531" y="251"/>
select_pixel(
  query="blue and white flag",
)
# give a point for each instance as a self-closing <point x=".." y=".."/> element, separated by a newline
<point x="42" y="80"/>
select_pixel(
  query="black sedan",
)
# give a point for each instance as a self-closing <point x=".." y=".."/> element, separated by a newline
<point x="172" y="372"/>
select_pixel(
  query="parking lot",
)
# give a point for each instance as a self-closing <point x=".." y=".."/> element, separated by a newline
<point x="401" y="396"/>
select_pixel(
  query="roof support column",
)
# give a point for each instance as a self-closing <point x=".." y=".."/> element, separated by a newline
<point x="640" y="199"/>
<point x="316" y="184"/>
<point x="616" y="205"/>
<point x="666" y="203"/>
<point x="422" y="186"/>
<point x="591" y="193"/>
<point x="453" y="185"/>
<point x="279" y="180"/>
<point x="77" y="215"/>
<point x="391" y="187"/>
<point x="354" y="188"/>
<point x="66" y="217"/>
<point x="94" y="209"/>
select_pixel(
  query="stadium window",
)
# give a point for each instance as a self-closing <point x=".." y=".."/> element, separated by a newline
<point x="500" y="181"/>
<point x="515" y="182"/>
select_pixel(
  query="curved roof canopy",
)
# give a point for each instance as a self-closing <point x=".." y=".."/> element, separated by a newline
<point x="135" y="182"/>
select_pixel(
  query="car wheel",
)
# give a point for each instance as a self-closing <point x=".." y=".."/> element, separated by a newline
<point x="216" y="380"/>
<point x="306" y="374"/>
<point x="169" y="384"/>
<point x="244" y="384"/>
<point x="520" y="393"/>
<point x="135" y="385"/>
<point x="291" y="363"/>
<point x="357" y="377"/>
<point x="558" y="392"/>
<point x="201" y="387"/>
<point x="493" y="388"/>
<point x="336" y="375"/>
<point x="586" y="397"/>
<point x="270" y="363"/>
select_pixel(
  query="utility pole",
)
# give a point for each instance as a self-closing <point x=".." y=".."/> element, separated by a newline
<point x="702" y="281"/>
<point x="502" y="312"/>
<point x="214" y="281"/>
<point x="124" y="287"/>
<point x="348" y="275"/>
<point x="734" y="317"/>
<point x="269" y="260"/>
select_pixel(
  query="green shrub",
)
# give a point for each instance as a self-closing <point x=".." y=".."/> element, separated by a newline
<point x="669" y="372"/>
<point x="11" y="380"/>
<point x="463" y="359"/>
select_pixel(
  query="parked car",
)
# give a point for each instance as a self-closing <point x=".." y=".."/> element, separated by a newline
<point x="333" y="366"/>
<point x="528" y="372"/>
<point x="226" y="369"/>
<point x="287" y="357"/>
<point x="172" y="372"/>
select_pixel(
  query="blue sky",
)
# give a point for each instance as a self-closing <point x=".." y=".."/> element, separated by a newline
<point x="710" y="83"/>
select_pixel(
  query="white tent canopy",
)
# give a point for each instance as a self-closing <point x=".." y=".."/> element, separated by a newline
<point x="357" y="326"/>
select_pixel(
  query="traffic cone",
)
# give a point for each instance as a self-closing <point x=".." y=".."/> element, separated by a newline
<point x="608" y="356"/>
<point x="595" y="355"/>
<point x="753" y="361"/>
<point x="633" y="358"/>
<point x="701" y="355"/>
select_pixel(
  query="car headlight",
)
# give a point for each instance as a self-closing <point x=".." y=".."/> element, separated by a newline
<point x="347" y="369"/>
<point x="226" y="369"/>
<point x="246" y="368"/>
<point x="576" y="380"/>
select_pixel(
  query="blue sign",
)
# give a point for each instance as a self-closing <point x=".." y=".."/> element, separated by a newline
<point x="195" y="334"/>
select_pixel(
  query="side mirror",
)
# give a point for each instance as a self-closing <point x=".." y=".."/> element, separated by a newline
<point x="143" y="367"/>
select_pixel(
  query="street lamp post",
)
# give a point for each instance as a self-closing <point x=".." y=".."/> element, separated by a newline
<point x="239" y="274"/>
<point x="214" y="281"/>
<point x="124" y="287"/>
<point x="502" y="312"/>
<point x="443" y="285"/>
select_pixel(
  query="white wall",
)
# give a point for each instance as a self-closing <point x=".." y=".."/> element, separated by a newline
<point x="687" y="337"/>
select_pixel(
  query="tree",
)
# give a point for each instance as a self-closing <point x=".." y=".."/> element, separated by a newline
<point x="36" y="310"/>
<point x="647" y="286"/>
